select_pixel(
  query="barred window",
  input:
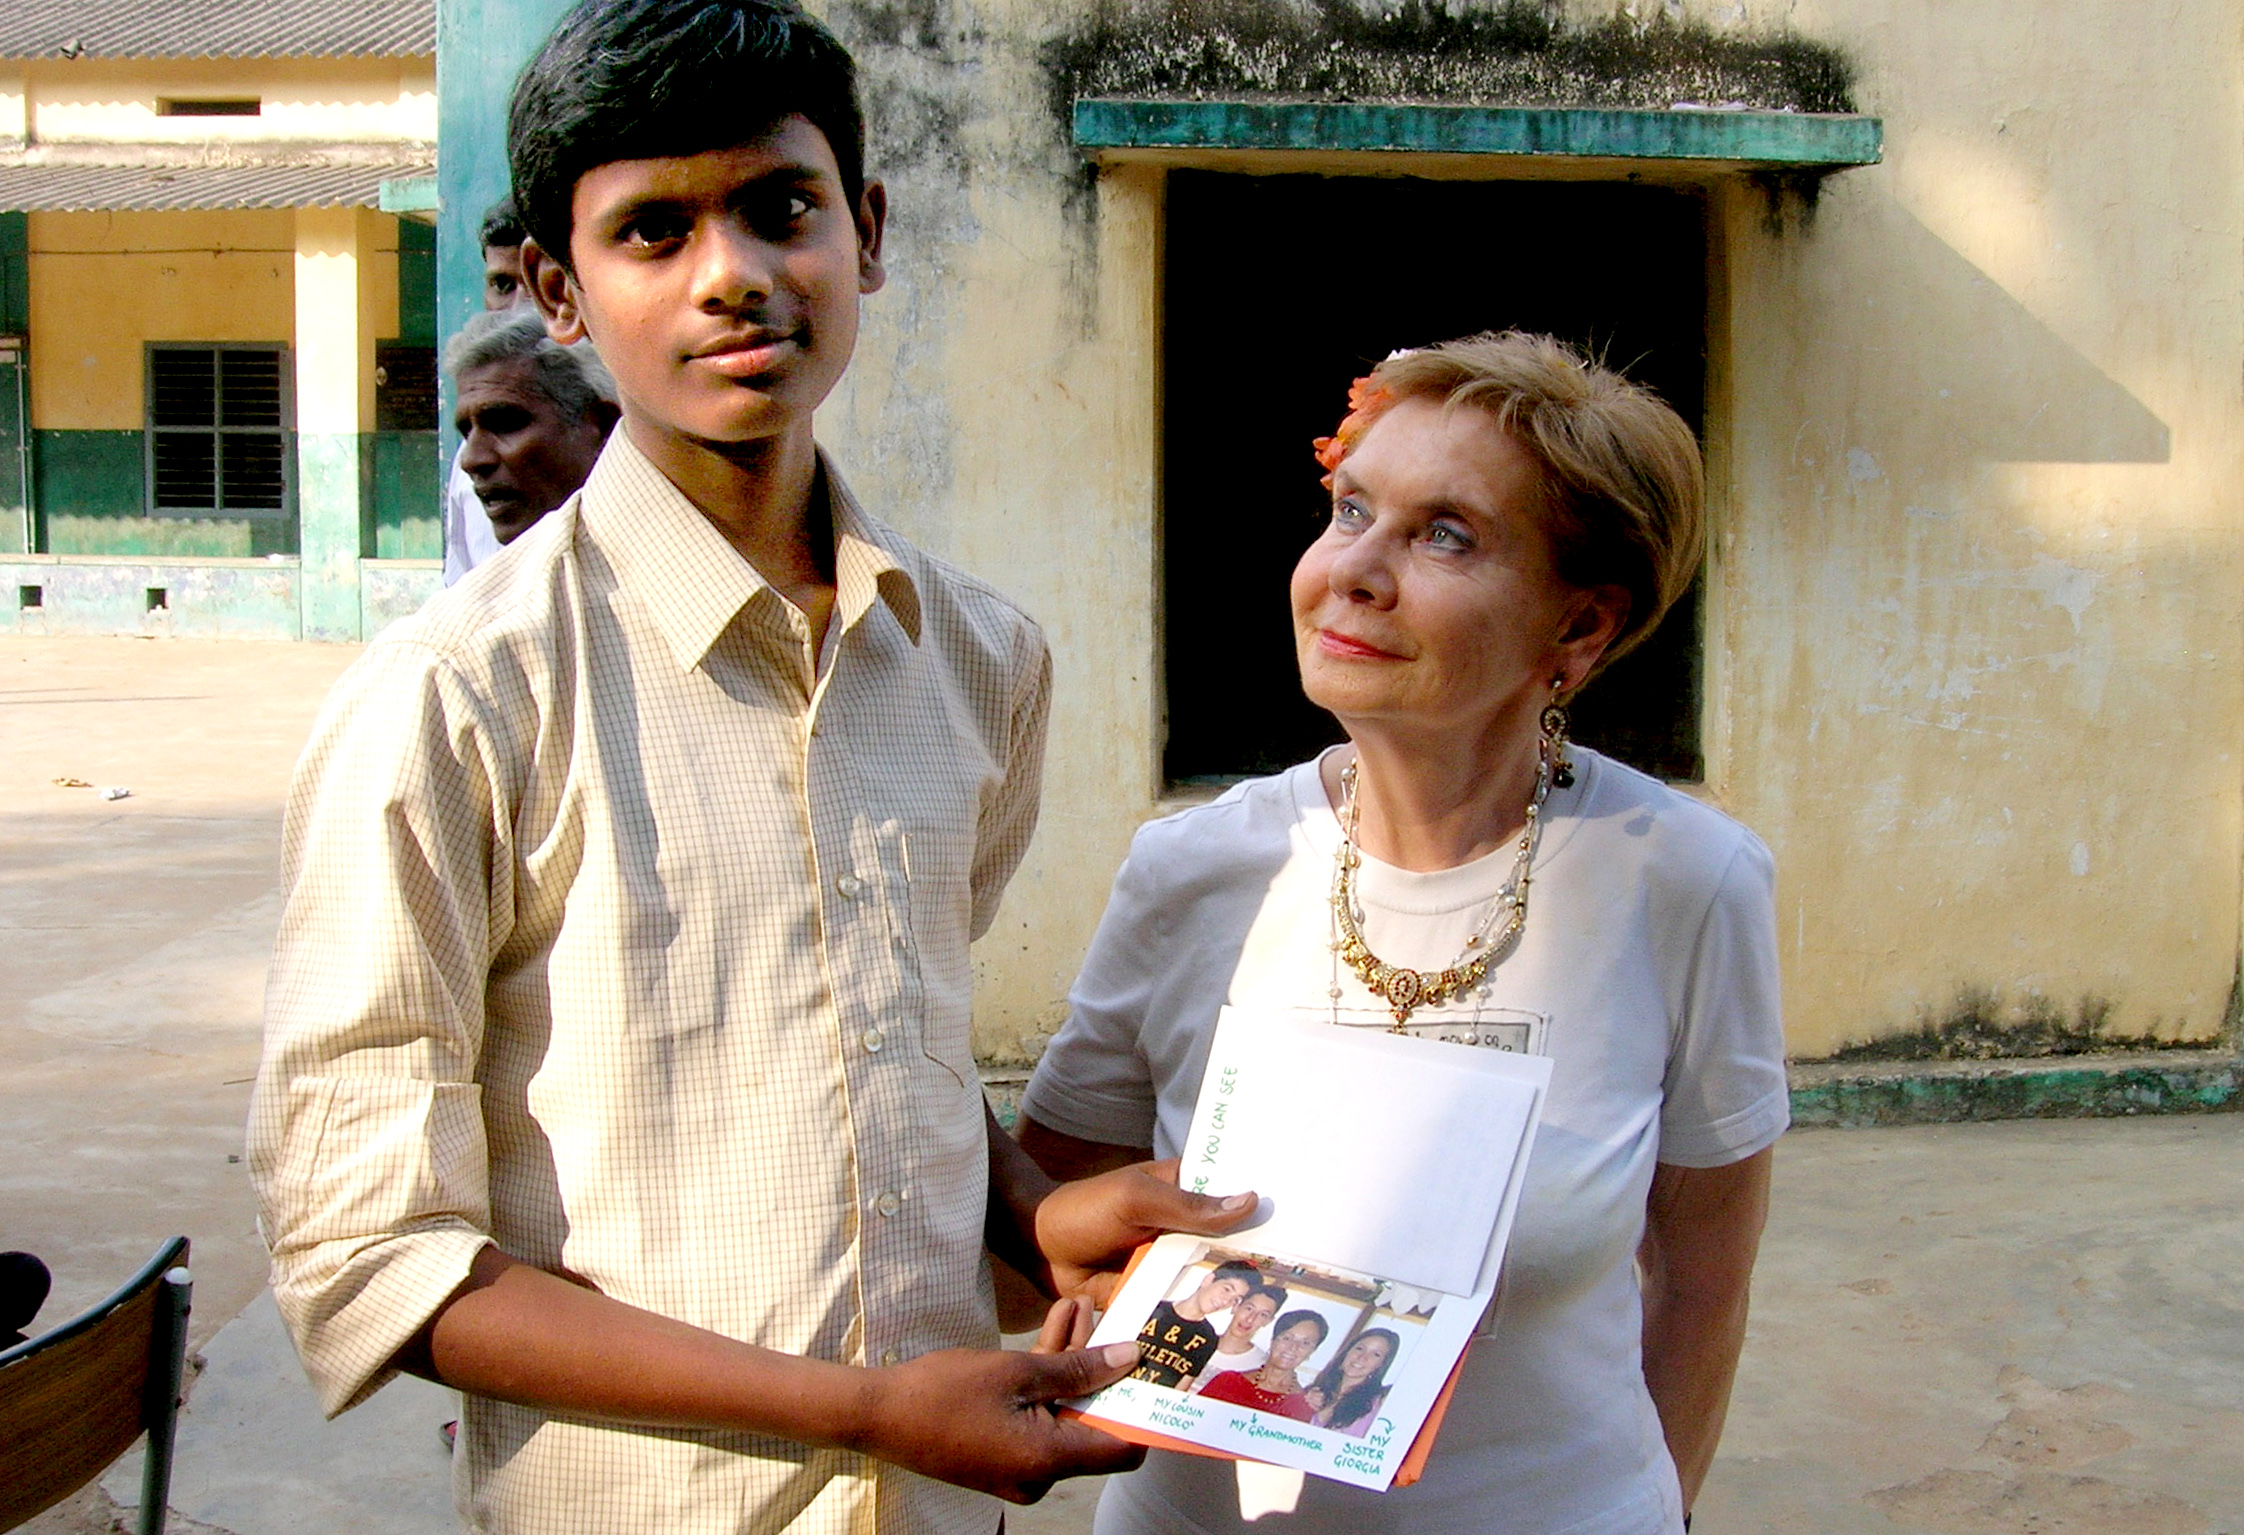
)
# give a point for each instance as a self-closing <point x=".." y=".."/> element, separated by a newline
<point x="218" y="428"/>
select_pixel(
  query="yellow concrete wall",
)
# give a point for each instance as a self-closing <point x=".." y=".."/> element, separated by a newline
<point x="102" y="284"/>
<point x="319" y="100"/>
<point x="1975" y="659"/>
<point x="1003" y="410"/>
<point x="1981" y="573"/>
<point x="346" y="289"/>
<point x="14" y="106"/>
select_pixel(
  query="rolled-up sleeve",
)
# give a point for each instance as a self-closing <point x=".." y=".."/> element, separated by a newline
<point x="1008" y="819"/>
<point x="366" y="1132"/>
<point x="1726" y="1096"/>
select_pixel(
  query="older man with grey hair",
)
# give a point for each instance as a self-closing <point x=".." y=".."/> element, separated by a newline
<point x="532" y="415"/>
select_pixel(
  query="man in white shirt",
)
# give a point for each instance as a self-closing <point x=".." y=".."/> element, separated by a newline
<point x="468" y="536"/>
<point x="532" y="415"/>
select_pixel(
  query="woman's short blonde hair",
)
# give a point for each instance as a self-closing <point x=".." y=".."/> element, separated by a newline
<point x="1624" y="489"/>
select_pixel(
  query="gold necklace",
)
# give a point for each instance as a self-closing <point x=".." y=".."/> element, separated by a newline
<point x="1405" y="990"/>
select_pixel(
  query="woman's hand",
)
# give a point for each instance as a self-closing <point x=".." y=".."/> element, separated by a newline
<point x="1087" y="1230"/>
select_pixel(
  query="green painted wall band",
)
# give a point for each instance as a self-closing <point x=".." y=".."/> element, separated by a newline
<point x="215" y="599"/>
<point x="92" y="501"/>
<point x="2059" y="1092"/>
<point x="15" y="274"/>
<point x="1772" y="140"/>
<point x="408" y="486"/>
<point x="333" y="507"/>
<point x="480" y="48"/>
<point x="416" y="282"/>
<point x="90" y="474"/>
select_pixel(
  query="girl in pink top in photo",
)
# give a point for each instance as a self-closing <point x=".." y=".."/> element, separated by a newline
<point x="1350" y="1391"/>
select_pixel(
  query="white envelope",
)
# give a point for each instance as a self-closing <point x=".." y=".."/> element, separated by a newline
<point x="1384" y="1154"/>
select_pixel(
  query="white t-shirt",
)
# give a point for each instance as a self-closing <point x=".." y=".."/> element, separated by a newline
<point x="1649" y="948"/>
<point x="469" y="539"/>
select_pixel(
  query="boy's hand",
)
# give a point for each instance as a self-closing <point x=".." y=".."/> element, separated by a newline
<point x="1067" y="1325"/>
<point x="1087" y="1230"/>
<point x="984" y="1420"/>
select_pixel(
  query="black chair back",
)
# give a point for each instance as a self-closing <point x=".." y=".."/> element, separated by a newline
<point x="75" y="1398"/>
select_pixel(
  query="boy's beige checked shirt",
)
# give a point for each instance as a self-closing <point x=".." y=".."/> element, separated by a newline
<point x="622" y="935"/>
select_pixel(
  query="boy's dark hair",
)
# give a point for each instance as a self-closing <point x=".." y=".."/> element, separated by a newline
<point x="502" y="226"/>
<point x="1237" y="1268"/>
<point x="648" y="79"/>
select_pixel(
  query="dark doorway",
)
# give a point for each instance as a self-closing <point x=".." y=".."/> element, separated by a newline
<point x="1278" y="291"/>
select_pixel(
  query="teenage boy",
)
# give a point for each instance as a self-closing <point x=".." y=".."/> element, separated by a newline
<point x="1177" y="1338"/>
<point x="617" y="1066"/>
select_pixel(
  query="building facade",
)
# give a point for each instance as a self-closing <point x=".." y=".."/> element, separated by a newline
<point x="217" y="377"/>
<point x="1953" y="301"/>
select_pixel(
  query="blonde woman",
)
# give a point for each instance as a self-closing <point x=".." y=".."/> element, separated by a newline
<point x="1506" y="519"/>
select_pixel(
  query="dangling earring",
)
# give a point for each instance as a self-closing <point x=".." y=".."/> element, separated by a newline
<point x="1554" y="737"/>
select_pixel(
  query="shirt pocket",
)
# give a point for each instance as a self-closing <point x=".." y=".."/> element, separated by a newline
<point x="938" y="913"/>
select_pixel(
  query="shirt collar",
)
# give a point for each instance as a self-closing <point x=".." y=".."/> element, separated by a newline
<point x="694" y="584"/>
<point x="870" y="561"/>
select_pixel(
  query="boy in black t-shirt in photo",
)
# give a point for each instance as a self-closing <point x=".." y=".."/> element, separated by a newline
<point x="1178" y="1337"/>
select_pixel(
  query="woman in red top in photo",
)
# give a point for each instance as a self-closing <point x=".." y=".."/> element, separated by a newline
<point x="1275" y="1388"/>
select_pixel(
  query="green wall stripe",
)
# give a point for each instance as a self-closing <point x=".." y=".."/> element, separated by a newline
<point x="89" y="474"/>
<point x="92" y="493"/>
<point x="334" y="509"/>
<point x="478" y="45"/>
<point x="92" y="500"/>
<point x="416" y="282"/>
<point x="2076" y="1088"/>
<point x="15" y="274"/>
<point x="408" y="491"/>
<point x="1776" y="140"/>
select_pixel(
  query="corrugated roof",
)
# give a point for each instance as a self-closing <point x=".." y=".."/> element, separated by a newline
<point x="215" y="29"/>
<point x="91" y="188"/>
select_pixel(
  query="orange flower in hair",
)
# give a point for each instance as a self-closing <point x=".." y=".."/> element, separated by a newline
<point x="1368" y="400"/>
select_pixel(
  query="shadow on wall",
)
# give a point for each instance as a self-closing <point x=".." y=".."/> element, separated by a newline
<point x="1981" y="372"/>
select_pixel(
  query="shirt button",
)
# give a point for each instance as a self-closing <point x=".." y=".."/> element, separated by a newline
<point x="872" y="1040"/>
<point x="888" y="1204"/>
<point x="889" y="1356"/>
<point x="850" y="886"/>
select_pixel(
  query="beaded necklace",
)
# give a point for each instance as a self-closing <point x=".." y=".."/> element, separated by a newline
<point x="1405" y="990"/>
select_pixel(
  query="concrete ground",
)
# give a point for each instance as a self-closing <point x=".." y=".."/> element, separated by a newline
<point x="2028" y="1328"/>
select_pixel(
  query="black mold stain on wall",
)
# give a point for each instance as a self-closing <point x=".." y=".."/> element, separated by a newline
<point x="1517" y="54"/>
<point x="915" y="58"/>
<point x="1982" y="1025"/>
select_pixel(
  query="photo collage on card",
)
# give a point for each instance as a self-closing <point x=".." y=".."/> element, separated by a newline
<point x="1283" y="1339"/>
